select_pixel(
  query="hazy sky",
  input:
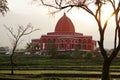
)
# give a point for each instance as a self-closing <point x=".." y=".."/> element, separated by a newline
<point x="23" y="12"/>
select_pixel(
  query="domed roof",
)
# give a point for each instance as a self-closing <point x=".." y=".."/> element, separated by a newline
<point x="64" y="25"/>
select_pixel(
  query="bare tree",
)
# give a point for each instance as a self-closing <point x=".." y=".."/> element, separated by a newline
<point x="16" y="39"/>
<point x="3" y="6"/>
<point x="97" y="14"/>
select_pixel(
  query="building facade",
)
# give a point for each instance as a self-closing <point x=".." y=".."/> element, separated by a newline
<point x="64" y="38"/>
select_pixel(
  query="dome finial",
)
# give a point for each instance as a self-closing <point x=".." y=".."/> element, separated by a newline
<point x="64" y="13"/>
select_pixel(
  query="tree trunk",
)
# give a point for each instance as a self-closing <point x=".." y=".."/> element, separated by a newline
<point x="12" y="65"/>
<point x="105" y="69"/>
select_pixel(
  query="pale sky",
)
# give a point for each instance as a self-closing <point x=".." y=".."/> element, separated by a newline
<point x="23" y="12"/>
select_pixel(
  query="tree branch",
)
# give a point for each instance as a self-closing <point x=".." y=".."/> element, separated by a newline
<point x="103" y="52"/>
<point x="49" y="5"/>
<point x="112" y="3"/>
<point x="87" y="9"/>
<point x="11" y="31"/>
<point x="106" y="22"/>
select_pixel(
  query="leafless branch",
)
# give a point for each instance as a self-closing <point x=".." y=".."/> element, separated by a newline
<point x="59" y="4"/>
<point x="48" y="5"/>
<point x="21" y="31"/>
<point x="88" y="10"/>
<point x="68" y="4"/>
<point x="29" y="27"/>
<point x="106" y="21"/>
<point x="11" y="31"/>
<point x="113" y="3"/>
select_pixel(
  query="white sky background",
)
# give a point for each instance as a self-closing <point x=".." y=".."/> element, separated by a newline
<point x="23" y="12"/>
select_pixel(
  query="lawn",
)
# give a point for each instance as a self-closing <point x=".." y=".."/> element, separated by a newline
<point x="34" y="67"/>
<point x="49" y="74"/>
<point x="37" y="62"/>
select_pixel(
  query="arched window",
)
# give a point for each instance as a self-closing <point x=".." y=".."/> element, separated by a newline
<point x="84" y="41"/>
<point x="58" y="41"/>
<point x="54" y="40"/>
<point x="72" y="41"/>
<point x="44" y="40"/>
<point x="66" y="41"/>
<point x="49" y="40"/>
<point x="89" y="46"/>
<point x="79" y="46"/>
<point x="62" y="43"/>
<point x="84" y="46"/>
<point x="89" y="40"/>
<point x="79" y="41"/>
<point x="72" y="45"/>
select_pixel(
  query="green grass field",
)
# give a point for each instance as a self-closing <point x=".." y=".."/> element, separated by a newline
<point x="41" y="75"/>
<point x="34" y="67"/>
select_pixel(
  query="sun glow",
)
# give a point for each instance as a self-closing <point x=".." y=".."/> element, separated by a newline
<point x="106" y="12"/>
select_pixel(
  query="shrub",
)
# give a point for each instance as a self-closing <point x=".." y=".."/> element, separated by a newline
<point x="61" y="56"/>
<point x="88" y="55"/>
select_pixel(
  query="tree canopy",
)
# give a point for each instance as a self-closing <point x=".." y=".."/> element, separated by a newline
<point x="3" y="6"/>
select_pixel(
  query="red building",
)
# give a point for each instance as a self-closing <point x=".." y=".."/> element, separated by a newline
<point x="64" y="38"/>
